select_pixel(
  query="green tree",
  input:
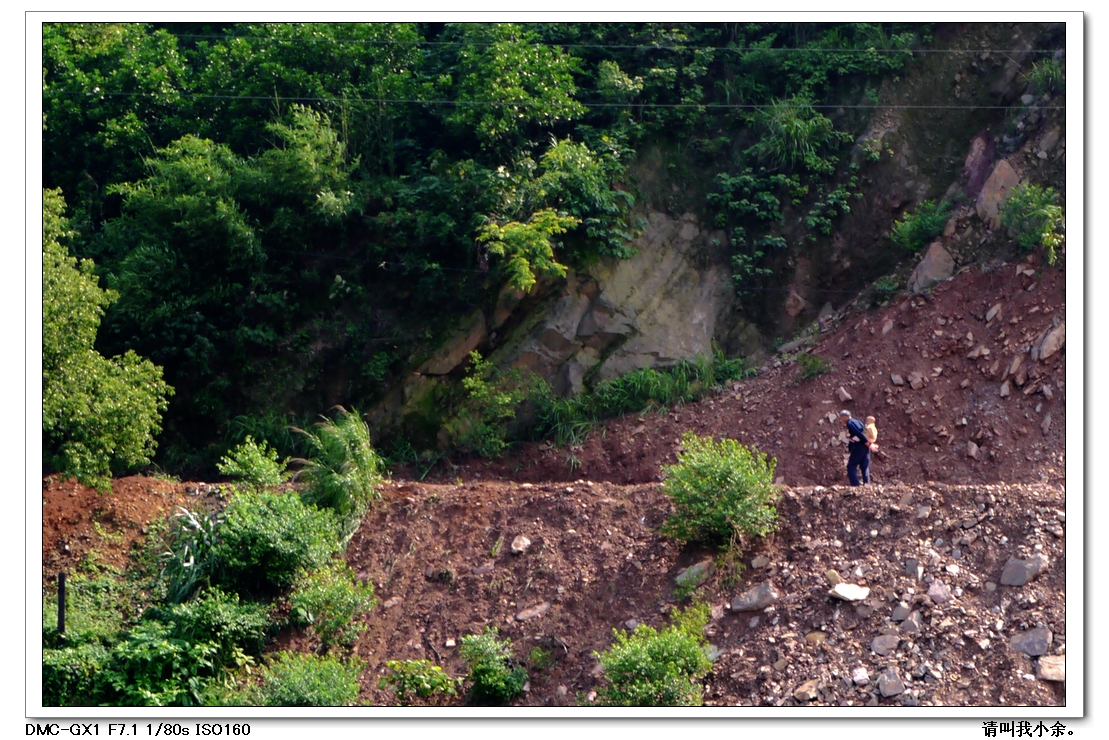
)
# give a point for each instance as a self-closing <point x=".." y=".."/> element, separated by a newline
<point x="507" y="80"/>
<point x="99" y="415"/>
<point x="108" y="91"/>
<point x="527" y="248"/>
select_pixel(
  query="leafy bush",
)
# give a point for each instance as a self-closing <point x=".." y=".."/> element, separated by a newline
<point x="812" y="366"/>
<point x="98" y="415"/>
<point x="190" y="556"/>
<point x="492" y="398"/>
<point x="97" y="610"/>
<point x="795" y="134"/>
<point x="342" y="470"/>
<point x="301" y="680"/>
<point x="418" y="677"/>
<point x="651" y="668"/>
<point x="1032" y="212"/>
<point x="237" y="628"/>
<point x="915" y="229"/>
<point x="151" y="667"/>
<point x="495" y="678"/>
<point x="74" y="676"/>
<point x="331" y="600"/>
<point x="721" y="491"/>
<point x="255" y="464"/>
<point x="268" y="539"/>
<point x="885" y="288"/>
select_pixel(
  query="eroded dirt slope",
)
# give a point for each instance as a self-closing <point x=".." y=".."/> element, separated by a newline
<point x="930" y="538"/>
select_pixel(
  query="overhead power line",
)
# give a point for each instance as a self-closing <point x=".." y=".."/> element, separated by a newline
<point x="625" y="47"/>
<point x="532" y="102"/>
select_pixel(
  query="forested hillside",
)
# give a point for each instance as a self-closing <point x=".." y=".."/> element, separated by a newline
<point x="291" y="214"/>
<point x="295" y="215"/>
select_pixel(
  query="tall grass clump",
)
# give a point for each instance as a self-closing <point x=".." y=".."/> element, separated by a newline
<point x="657" y="668"/>
<point x="915" y="229"/>
<point x="794" y="134"/>
<point x="1046" y="76"/>
<point x="342" y="471"/>
<point x="722" y="492"/>
<point x="568" y="420"/>
<point x="495" y="676"/>
<point x="1034" y="213"/>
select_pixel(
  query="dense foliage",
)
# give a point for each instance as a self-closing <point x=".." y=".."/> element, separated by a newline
<point x="99" y="415"/>
<point x="495" y="677"/>
<point x="657" y="668"/>
<point x="722" y="491"/>
<point x="287" y="210"/>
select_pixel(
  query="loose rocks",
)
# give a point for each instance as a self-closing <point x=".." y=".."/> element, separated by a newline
<point x="756" y="598"/>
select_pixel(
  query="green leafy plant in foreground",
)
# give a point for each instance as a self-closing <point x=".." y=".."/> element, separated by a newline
<point x="494" y="677"/>
<point x="812" y="366"/>
<point x="332" y="601"/>
<point x="653" y="668"/>
<point x="301" y="680"/>
<point x="342" y="471"/>
<point x="417" y="677"/>
<point x="913" y="230"/>
<point x="255" y="464"/>
<point x="722" y="491"/>
<point x="1034" y="214"/>
<point x="268" y="539"/>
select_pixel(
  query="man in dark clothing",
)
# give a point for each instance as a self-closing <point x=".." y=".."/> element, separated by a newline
<point x="859" y="449"/>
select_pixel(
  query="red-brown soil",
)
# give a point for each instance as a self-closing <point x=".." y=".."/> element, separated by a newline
<point x="438" y="551"/>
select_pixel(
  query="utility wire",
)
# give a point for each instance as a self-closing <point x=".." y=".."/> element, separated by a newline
<point x="633" y="47"/>
<point x="526" y="103"/>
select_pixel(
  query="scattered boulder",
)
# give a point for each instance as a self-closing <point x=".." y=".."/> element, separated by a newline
<point x="520" y="545"/>
<point x="972" y="450"/>
<point x="995" y="191"/>
<point x="1053" y="341"/>
<point x="916" y="381"/>
<point x="937" y="265"/>
<point x="1052" y="668"/>
<point x="939" y="592"/>
<point x="897" y="379"/>
<point x="885" y="644"/>
<point x="860" y="676"/>
<point x="807" y="690"/>
<point x="1019" y="572"/>
<point x="1033" y="642"/>
<point x="695" y="575"/>
<point x="912" y="625"/>
<point x="756" y="598"/>
<point x="889" y="683"/>
<point x="534" y="611"/>
<point x="849" y="592"/>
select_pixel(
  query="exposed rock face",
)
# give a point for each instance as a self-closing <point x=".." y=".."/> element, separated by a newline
<point x="654" y="309"/>
<point x="1002" y="180"/>
<point x="937" y="265"/>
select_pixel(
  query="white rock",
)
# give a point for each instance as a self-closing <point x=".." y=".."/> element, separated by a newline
<point x="849" y="592"/>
